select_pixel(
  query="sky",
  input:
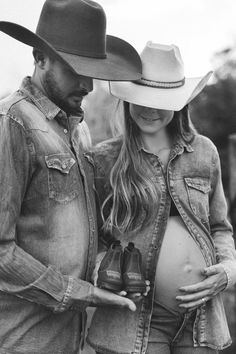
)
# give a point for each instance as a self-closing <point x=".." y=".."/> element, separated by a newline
<point x="199" y="27"/>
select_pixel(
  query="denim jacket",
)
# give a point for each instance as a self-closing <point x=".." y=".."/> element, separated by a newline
<point x="193" y="181"/>
<point x="47" y="229"/>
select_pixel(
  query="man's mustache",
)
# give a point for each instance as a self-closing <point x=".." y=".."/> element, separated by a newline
<point x="79" y="93"/>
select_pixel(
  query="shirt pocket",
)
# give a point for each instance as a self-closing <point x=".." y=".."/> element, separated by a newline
<point x="198" y="189"/>
<point x="62" y="177"/>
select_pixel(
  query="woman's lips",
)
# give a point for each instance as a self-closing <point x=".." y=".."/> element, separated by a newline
<point x="149" y="119"/>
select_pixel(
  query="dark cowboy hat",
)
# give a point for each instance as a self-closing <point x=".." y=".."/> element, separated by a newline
<point x="74" y="31"/>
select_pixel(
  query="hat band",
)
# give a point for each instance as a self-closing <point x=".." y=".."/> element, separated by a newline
<point x="81" y="53"/>
<point x="160" y="84"/>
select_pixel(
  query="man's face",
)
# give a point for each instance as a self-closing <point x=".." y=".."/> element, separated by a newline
<point x="64" y="87"/>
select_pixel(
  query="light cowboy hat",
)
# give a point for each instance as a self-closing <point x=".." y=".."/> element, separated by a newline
<point x="74" y="32"/>
<point x="163" y="84"/>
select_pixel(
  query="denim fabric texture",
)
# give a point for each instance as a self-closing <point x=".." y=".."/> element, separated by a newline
<point x="172" y="333"/>
<point x="193" y="181"/>
<point x="47" y="230"/>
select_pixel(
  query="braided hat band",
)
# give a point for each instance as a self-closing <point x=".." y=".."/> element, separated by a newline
<point x="160" y="84"/>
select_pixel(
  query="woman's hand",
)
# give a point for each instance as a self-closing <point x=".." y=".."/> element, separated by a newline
<point x="197" y="294"/>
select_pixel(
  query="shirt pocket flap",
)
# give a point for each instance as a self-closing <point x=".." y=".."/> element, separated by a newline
<point x="61" y="162"/>
<point x="200" y="184"/>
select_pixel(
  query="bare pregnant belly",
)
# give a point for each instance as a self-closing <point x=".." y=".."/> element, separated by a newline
<point x="180" y="263"/>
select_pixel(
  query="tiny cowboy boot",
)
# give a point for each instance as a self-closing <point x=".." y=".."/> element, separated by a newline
<point x="133" y="278"/>
<point x="110" y="270"/>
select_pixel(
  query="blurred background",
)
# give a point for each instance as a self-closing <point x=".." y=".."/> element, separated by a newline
<point x="205" y="31"/>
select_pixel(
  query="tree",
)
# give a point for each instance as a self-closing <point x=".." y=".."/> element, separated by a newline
<point x="214" y="110"/>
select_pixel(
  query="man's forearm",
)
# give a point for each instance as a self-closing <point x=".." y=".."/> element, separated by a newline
<point x="24" y="276"/>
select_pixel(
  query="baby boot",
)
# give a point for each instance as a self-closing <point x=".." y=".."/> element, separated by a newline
<point x="110" y="270"/>
<point x="134" y="281"/>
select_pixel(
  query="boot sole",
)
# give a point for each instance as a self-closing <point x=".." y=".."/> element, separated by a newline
<point x="130" y="289"/>
<point x="108" y="286"/>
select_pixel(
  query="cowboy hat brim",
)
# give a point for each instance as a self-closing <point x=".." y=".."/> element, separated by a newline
<point x="121" y="62"/>
<point x="173" y="99"/>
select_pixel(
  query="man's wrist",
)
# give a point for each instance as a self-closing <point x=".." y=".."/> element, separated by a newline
<point x="81" y="295"/>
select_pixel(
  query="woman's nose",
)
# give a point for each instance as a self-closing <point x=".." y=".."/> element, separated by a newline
<point x="149" y="110"/>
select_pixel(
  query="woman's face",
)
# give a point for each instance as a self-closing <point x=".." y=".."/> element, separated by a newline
<point x="150" y="120"/>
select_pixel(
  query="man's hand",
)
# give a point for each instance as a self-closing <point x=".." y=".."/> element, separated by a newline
<point x="101" y="297"/>
<point x="197" y="294"/>
<point x="122" y="294"/>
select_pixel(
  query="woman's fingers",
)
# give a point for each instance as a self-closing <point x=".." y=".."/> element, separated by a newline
<point x="197" y="294"/>
<point x="194" y="300"/>
<point x="194" y="304"/>
<point x="216" y="280"/>
<point x="195" y="288"/>
<point x="214" y="269"/>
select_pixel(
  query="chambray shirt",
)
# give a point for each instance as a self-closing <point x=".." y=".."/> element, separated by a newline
<point x="47" y="228"/>
<point x="193" y="181"/>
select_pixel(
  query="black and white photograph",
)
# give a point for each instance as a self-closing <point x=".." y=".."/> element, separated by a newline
<point x="117" y="177"/>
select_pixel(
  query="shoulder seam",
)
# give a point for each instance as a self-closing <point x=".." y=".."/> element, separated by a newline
<point x="6" y="112"/>
<point x="13" y="118"/>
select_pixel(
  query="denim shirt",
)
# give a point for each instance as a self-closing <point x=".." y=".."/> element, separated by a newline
<point x="47" y="229"/>
<point x="193" y="181"/>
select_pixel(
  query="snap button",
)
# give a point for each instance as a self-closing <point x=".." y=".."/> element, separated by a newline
<point x="64" y="165"/>
<point x="65" y="131"/>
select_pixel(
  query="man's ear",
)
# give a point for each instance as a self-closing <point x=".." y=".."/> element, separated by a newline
<point x="40" y="58"/>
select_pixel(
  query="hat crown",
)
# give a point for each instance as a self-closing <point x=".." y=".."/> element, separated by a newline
<point x="74" y="26"/>
<point x="162" y="63"/>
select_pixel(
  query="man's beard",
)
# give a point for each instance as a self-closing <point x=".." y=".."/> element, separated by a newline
<point x="55" y="94"/>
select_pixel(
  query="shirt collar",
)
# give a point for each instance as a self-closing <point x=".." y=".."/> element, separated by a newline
<point x="178" y="147"/>
<point x="47" y="107"/>
<point x="184" y="144"/>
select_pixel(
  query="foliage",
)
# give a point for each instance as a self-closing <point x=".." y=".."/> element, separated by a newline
<point x="214" y="110"/>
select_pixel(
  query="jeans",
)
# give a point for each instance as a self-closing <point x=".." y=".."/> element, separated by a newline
<point x="171" y="333"/>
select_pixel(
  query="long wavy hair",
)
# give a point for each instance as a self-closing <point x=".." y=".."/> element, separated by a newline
<point x="133" y="199"/>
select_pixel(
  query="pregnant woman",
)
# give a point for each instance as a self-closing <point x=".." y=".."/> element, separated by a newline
<point x="159" y="187"/>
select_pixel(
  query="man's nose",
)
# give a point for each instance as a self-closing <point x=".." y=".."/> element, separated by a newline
<point x="86" y="83"/>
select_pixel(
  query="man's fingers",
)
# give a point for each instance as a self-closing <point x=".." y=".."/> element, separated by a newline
<point x="122" y="293"/>
<point x="101" y="297"/>
<point x="131" y="306"/>
<point x="95" y="281"/>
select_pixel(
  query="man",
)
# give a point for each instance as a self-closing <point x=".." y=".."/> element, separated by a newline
<point x="47" y="210"/>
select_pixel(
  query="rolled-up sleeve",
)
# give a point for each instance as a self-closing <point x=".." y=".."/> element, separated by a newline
<point x="21" y="274"/>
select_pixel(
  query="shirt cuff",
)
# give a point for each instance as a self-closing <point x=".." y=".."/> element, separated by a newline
<point x="77" y="297"/>
<point x="230" y="270"/>
<point x="65" y="304"/>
